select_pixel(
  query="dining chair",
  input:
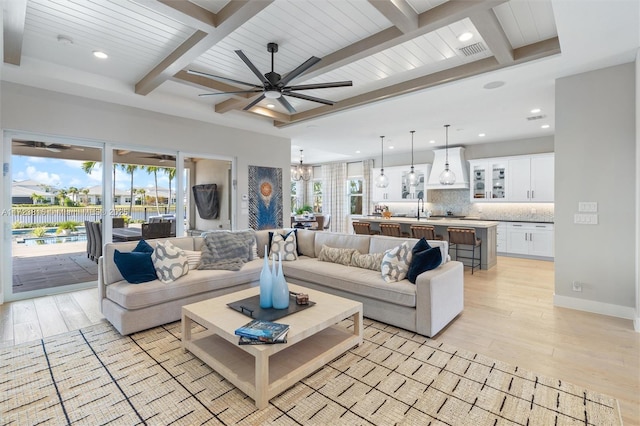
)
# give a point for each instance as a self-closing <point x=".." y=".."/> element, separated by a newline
<point x="96" y="247"/>
<point x="319" y="223"/>
<point x="327" y="221"/>
<point x="466" y="237"/>
<point x="89" y="233"/>
<point x="156" y="230"/>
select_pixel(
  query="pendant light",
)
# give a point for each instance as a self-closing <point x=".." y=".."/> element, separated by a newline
<point x="382" y="181"/>
<point x="447" y="177"/>
<point x="301" y="172"/>
<point x="413" y="177"/>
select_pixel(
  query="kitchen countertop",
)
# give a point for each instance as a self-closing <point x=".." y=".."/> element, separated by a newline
<point x="473" y="223"/>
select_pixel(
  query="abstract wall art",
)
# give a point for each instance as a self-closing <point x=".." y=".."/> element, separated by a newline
<point x="265" y="197"/>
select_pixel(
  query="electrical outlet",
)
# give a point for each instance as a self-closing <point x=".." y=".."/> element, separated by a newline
<point x="577" y="286"/>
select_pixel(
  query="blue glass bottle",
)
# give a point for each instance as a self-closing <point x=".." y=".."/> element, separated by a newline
<point x="280" y="297"/>
<point x="266" y="283"/>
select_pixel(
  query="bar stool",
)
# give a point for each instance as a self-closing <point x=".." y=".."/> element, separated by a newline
<point x="392" y="230"/>
<point x="362" y="228"/>
<point x="466" y="237"/>
<point x="426" y="231"/>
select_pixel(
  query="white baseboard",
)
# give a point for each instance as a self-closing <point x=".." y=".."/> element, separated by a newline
<point x="618" y="311"/>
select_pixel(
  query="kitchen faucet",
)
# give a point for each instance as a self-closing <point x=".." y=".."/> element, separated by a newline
<point x="419" y="200"/>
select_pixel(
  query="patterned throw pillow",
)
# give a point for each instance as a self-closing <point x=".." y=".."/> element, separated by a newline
<point x="395" y="263"/>
<point x="284" y="246"/>
<point x="170" y="262"/>
<point x="193" y="258"/>
<point x="371" y="261"/>
<point x="336" y="255"/>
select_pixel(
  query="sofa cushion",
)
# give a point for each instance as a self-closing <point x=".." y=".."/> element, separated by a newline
<point x="371" y="261"/>
<point x="396" y="261"/>
<point x="358" y="281"/>
<point x="170" y="262"/>
<point x="424" y="258"/>
<point x="336" y="255"/>
<point x="284" y="246"/>
<point x="136" y="266"/>
<point x="195" y="282"/>
<point x="334" y="239"/>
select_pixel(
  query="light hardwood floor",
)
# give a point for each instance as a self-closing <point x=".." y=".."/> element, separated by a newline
<point x="509" y="315"/>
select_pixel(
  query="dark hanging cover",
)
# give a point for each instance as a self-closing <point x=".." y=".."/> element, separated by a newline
<point x="206" y="197"/>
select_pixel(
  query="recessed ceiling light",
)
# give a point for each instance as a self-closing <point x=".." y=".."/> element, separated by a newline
<point x="494" y="84"/>
<point x="271" y="106"/>
<point x="482" y="135"/>
<point x="358" y="152"/>
<point x="465" y="36"/>
<point x="100" y="54"/>
<point x="545" y="126"/>
<point x="535" y="110"/>
<point x="432" y="141"/>
<point x="391" y="147"/>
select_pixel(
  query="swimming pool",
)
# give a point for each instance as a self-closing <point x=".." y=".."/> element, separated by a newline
<point x="54" y="239"/>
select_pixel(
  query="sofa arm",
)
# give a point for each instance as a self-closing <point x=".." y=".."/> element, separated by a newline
<point x="102" y="288"/>
<point x="439" y="297"/>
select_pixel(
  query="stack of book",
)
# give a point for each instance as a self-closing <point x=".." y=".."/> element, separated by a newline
<point x="259" y="332"/>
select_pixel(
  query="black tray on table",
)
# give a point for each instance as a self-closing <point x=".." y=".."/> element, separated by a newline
<point x="251" y="308"/>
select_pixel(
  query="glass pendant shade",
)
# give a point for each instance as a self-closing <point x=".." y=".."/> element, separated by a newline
<point x="412" y="177"/>
<point x="447" y="177"/>
<point x="382" y="181"/>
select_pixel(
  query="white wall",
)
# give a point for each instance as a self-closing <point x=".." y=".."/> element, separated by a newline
<point x="34" y="110"/>
<point x="595" y="144"/>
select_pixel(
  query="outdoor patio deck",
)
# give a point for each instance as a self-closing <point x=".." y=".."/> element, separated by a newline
<point x="38" y="267"/>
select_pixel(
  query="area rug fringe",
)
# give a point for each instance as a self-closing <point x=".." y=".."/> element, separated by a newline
<point x="96" y="376"/>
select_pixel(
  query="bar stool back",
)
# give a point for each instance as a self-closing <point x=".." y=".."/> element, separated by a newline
<point x="465" y="237"/>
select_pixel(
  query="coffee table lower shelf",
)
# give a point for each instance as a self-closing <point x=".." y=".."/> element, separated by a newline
<point x="261" y="375"/>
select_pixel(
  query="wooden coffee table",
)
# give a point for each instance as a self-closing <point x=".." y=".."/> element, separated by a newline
<point x="264" y="371"/>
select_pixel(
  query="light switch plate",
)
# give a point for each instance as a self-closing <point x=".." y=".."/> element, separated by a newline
<point x="587" y="206"/>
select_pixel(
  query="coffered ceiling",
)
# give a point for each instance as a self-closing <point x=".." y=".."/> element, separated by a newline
<point x="409" y="69"/>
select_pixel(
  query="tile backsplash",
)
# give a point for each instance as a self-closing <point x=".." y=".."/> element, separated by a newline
<point x="457" y="201"/>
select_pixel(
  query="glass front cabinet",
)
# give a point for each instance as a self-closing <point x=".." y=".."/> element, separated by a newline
<point x="488" y="179"/>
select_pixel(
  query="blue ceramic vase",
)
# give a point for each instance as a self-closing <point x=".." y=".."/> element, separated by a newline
<point x="280" y="296"/>
<point x="266" y="283"/>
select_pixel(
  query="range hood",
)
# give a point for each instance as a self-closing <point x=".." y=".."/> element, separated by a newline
<point x="457" y="164"/>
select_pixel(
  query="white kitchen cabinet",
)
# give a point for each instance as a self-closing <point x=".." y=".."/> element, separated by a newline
<point x="533" y="239"/>
<point x="488" y="179"/>
<point x="501" y="237"/>
<point x="531" y="178"/>
<point x="399" y="189"/>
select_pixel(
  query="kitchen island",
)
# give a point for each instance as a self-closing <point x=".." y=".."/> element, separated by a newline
<point x="485" y="230"/>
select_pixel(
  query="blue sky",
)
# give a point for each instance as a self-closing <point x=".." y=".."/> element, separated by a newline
<point x="66" y="173"/>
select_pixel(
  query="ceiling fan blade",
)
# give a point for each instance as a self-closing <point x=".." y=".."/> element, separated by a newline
<point x="308" y="98"/>
<point x="231" y="93"/>
<point x="285" y="103"/>
<point x="52" y="149"/>
<point x="218" y="77"/>
<point x="296" y="72"/>
<point x="252" y="67"/>
<point x="256" y="100"/>
<point x="319" y="85"/>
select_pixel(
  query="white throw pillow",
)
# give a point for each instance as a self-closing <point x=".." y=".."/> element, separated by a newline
<point x="193" y="258"/>
<point x="284" y="247"/>
<point x="170" y="262"/>
<point x="395" y="263"/>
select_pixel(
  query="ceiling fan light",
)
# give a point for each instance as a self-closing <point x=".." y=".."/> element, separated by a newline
<point x="272" y="94"/>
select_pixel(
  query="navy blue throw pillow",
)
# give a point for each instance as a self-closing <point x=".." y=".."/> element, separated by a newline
<point x="425" y="258"/>
<point x="136" y="266"/>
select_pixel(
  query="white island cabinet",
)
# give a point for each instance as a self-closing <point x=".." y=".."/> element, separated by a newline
<point x="530" y="239"/>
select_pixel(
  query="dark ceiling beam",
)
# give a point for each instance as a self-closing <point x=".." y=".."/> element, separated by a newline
<point x="13" y="18"/>
<point x="399" y="13"/>
<point x="523" y="54"/>
<point x="232" y="16"/>
<point x="429" y="21"/>
<point x="487" y="24"/>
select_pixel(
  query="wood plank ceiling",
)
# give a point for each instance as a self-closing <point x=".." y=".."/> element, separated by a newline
<point x="387" y="48"/>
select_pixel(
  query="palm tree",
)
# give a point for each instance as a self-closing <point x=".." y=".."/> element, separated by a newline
<point x="85" y="192"/>
<point x="143" y="193"/>
<point x="171" y="172"/>
<point x="73" y="191"/>
<point x="154" y="170"/>
<point x="88" y="166"/>
<point x="130" y="168"/>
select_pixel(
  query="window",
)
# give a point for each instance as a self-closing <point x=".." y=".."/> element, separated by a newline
<point x="296" y="196"/>
<point x="354" y="190"/>
<point x="317" y="196"/>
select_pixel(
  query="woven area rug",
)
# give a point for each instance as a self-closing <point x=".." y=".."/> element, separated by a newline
<point x="96" y="376"/>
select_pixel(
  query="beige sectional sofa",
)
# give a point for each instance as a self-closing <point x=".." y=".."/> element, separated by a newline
<point x="425" y="307"/>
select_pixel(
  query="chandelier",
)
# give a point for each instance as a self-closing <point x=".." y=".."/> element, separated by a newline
<point x="301" y="172"/>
